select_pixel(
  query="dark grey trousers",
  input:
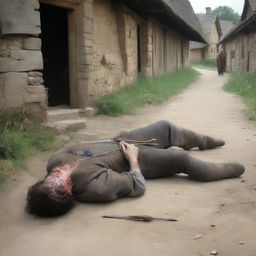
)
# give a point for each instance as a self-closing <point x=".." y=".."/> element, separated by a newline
<point x="165" y="161"/>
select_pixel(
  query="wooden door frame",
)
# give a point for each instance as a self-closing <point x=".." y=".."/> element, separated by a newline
<point x="72" y="6"/>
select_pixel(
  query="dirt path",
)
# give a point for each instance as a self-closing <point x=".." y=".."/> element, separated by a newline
<point x="223" y="213"/>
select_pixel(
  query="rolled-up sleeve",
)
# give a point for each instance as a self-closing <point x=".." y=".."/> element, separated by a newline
<point x="109" y="185"/>
<point x="140" y="184"/>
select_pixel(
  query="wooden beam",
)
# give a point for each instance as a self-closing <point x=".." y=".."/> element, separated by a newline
<point x="69" y="4"/>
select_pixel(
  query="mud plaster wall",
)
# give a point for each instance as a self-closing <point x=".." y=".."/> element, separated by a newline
<point x="213" y="40"/>
<point x="114" y="55"/>
<point x="196" y="55"/>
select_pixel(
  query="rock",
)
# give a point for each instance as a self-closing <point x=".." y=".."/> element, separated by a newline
<point x="214" y="252"/>
<point x="88" y="112"/>
<point x="35" y="74"/>
<point x="197" y="237"/>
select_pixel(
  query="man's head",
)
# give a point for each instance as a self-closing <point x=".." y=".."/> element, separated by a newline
<point x="53" y="195"/>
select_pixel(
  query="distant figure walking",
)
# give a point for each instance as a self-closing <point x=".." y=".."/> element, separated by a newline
<point x="221" y="62"/>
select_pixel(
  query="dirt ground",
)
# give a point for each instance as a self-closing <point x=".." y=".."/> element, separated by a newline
<point x="211" y="216"/>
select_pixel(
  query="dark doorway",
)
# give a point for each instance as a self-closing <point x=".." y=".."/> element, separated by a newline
<point x="139" y="48"/>
<point x="54" y="26"/>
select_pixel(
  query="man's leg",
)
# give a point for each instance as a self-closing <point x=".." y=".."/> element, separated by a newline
<point x="157" y="163"/>
<point x="168" y="134"/>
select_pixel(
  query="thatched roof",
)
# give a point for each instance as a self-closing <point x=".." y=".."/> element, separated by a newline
<point x="226" y="27"/>
<point x="245" y="26"/>
<point x="249" y="8"/>
<point x="178" y="15"/>
<point x="196" y="45"/>
<point x="208" y="21"/>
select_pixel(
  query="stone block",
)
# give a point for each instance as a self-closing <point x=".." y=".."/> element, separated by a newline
<point x="83" y="68"/>
<point x="4" y="53"/>
<point x="83" y="75"/>
<point x="88" y="9"/>
<point x="19" y="17"/>
<point x="88" y="25"/>
<point x="35" y="80"/>
<point x="88" y="43"/>
<point x="12" y="89"/>
<point x="88" y="50"/>
<point x="35" y="74"/>
<point x="13" y="101"/>
<point x="88" y="112"/>
<point x="36" y="5"/>
<point x="36" y="89"/>
<point x="85" y="59"/>
<point x="88" y="36"/>
<point x="32" y="43"/>
<point x="22" y="60"/>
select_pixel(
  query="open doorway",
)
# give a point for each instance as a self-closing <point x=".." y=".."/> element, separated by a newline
<point x="54" y="26"/>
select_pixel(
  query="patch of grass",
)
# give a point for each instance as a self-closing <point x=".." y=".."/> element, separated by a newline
<point x="244" y="84"/>
<point x="21" y="136"/>
<point x="145" y="91"/>
<point x="205" y="63"/>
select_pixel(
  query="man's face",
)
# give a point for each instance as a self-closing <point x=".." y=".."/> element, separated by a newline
<point x="60" y="177"/>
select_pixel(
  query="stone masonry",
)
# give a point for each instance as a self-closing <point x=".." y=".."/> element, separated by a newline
<point x="21" y="63"/>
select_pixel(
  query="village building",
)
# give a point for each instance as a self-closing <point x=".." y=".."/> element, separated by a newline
<point x="226" y="27"/>
<point x="212" y="30"/>
<point x="70" y="52"/>
<point x="240" y="42"/>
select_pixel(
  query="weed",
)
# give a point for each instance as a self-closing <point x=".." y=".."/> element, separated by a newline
<point x="245" y="86"/>
<point x="145" y="91"/>
<point x="21" y="135"/>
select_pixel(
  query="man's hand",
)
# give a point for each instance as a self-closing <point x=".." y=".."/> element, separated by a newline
<point x="131" y="153"/>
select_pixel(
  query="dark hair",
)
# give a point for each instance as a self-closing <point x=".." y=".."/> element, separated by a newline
<point x="44" y="201"/>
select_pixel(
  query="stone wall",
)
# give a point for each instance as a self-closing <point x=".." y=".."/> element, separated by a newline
<point x="21" y="79"/>
<point x="103" y="50"/>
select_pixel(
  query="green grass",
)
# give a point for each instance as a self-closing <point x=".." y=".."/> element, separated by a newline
<point x="21" y="136"/>
<point x="205" y="63"/>
<point x="245" y="86"/>
<point x="145" y="91"/>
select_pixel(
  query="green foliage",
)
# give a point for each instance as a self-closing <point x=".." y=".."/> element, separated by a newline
<point x="145" y="91"/>
<point x="226" y="13"/>
<point x="21" y="135"/>
<point x="205" y="63"/>
<point x="245" y="86"/>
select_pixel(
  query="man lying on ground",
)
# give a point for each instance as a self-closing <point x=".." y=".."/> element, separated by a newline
<point x="106" y="170"/>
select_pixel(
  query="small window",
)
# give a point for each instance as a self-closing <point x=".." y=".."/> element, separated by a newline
<point x="233" y="54"/>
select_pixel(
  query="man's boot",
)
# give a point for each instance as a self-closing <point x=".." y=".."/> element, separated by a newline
<point x="208" y="171"/>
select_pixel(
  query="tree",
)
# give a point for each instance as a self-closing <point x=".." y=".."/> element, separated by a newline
<point x="226" y="13"/>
